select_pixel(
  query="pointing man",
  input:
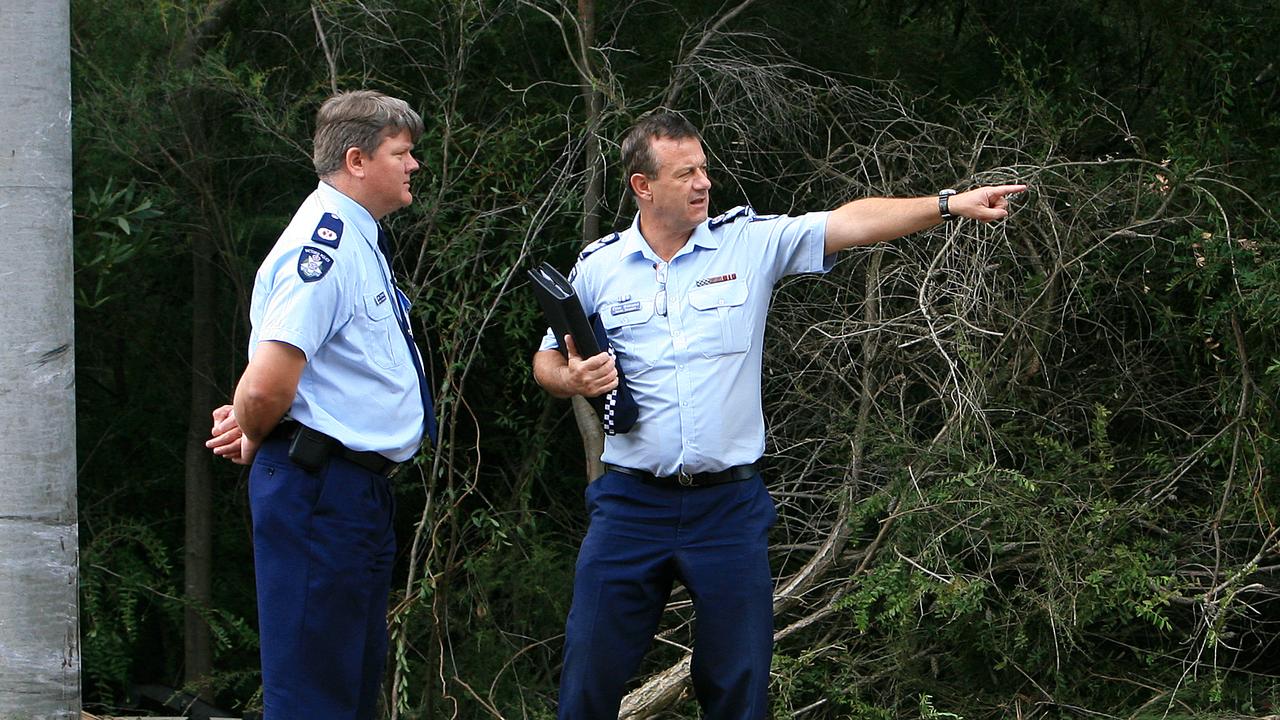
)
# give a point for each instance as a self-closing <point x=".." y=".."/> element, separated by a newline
<point x="684" y="299"/>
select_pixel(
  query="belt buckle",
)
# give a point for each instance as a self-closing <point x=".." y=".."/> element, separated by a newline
<point x="685" y="479"/>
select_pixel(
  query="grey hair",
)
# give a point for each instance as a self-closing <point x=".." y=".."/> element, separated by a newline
<point x="637" y="144"/>
<point x="359" y="119"/>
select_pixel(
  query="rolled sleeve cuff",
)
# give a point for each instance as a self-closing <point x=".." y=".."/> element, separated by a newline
<point x="819" y="260"/>
<point x="289" y="337"/>
<point x="549" y="342"/>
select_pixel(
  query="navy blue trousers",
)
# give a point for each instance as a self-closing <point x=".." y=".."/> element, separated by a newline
<point x="641" y="538"/>
<point x="323" y="548"/>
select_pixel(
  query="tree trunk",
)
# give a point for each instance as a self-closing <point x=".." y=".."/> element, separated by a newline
<point x="198" y="544"/>
<point x="39" y="617"/>
<point x="592" y="432"/>
<point x="592" y="101"/>
<point x="588" y="421"/>
<point x="197" y="647"/>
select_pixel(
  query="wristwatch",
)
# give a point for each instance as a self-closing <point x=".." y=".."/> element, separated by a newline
<point x="944" y="196"/>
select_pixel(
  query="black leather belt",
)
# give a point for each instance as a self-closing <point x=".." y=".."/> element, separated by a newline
<point x="374" y="462"/>
<point x="737" y="473"/>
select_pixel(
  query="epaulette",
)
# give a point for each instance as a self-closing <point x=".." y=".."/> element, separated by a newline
<point x="328" y="231"/>
<point x="730" y="216"/>
<point x="602" y="242"/>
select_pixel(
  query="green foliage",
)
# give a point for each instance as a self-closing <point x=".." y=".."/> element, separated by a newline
<point x="929" y="712"/>
<point x="126" y="579"/>
<point x="129" y="601"/>
<point x="112" y="229"/>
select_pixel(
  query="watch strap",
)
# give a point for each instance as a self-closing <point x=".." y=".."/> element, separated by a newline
<point x="944" y="207"/>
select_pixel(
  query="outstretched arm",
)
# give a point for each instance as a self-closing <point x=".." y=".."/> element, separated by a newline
<point x="873" y="220"/>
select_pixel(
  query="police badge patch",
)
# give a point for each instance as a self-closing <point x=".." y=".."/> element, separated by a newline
<point x="328" y="231"/>
<point x="313" y="263"/>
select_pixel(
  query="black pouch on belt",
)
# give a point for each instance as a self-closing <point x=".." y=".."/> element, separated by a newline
<point x="309" y="449"/>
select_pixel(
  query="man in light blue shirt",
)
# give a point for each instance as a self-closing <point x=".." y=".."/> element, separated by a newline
<point x="684" y="300"/>
<point x="334" y="398"/>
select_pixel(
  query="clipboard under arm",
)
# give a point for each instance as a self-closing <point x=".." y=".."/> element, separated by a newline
<point x="617" y="408"/>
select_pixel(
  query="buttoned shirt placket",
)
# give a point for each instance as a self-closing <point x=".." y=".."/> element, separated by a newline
<point x="682" y="354"/>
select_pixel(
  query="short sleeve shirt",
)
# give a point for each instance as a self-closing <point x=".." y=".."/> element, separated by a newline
<point x="689" y="333"/>
<point x="326" y="289"/>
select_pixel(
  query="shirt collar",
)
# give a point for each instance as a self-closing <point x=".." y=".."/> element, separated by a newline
<point x="703" y="237"/>
<point x="332" y="199"/>
<point x="634" y="242"/>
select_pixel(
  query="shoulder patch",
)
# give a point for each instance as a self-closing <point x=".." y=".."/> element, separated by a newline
<point x="328" y="231"/>
<point x="313" y="263"/>
<point x="742" y="211"/>
<point x="602" y="242"/>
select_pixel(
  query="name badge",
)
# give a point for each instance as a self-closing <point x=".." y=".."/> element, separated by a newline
<point x="625" y="307"/>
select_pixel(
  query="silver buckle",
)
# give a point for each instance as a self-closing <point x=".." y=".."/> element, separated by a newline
<point x="685" y="479"/>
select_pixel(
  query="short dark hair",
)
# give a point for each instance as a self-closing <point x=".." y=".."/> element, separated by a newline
<point x="360" y="119"/>
<point x="637" y="144"/>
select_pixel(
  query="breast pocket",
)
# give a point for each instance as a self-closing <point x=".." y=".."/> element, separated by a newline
<point x="382" y="337"/>
<point x="720" y="318"/>
<point x="627" y="323"/>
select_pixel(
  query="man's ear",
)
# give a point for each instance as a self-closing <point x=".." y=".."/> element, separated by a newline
<point x="640" y="186"/>
<point x="354" y="162"/>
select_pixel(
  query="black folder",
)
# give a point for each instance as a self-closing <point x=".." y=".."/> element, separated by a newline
<point x="617" y="408"/>
<point x="564" y="313"/>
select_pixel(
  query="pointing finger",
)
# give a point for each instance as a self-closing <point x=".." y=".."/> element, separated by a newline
<point x="1000" y="192"/>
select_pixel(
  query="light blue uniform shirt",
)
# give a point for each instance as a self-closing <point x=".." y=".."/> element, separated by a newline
<point x="326" y="289"/>
<point x="689" y="333"/>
